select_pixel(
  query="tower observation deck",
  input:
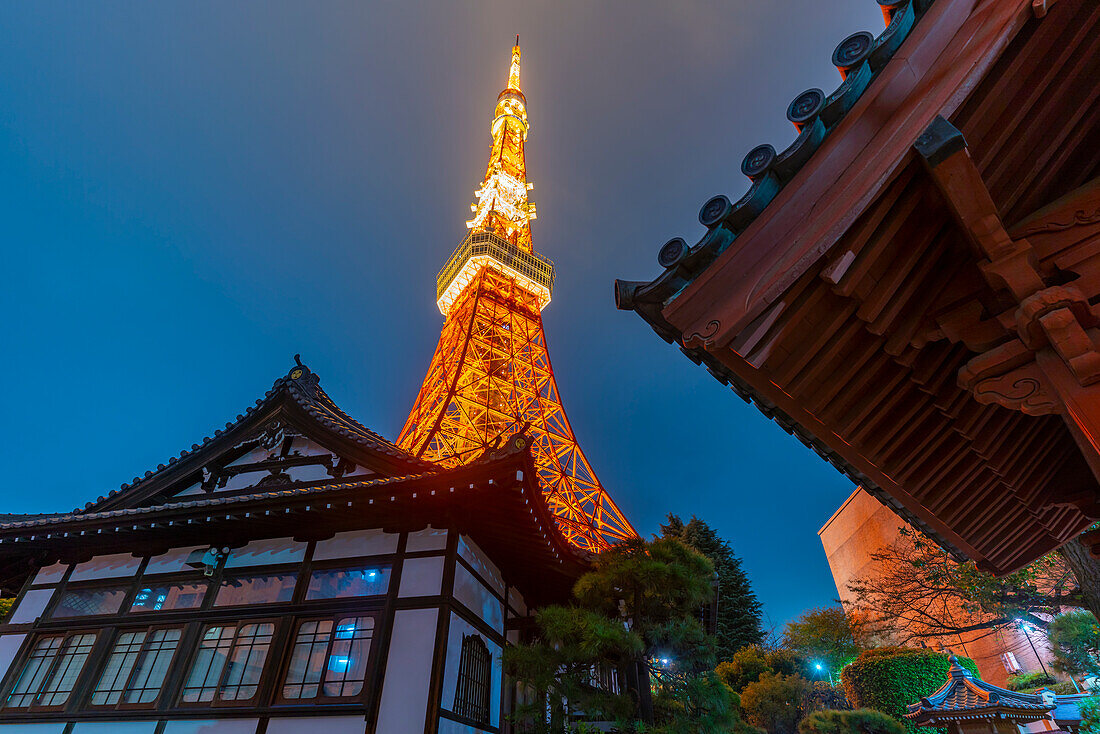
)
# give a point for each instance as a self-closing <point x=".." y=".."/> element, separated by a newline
<point x="490" y="376"/>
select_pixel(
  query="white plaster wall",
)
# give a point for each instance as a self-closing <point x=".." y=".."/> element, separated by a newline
<point x="265" y="552"/>
<point x="355" y="543"/>
<point x="210" y="726"/>
<point x="307" y="473"/>
<point x="9" y="647"/>
<point x="404" y="702"/>
<point x="480" y="562"/>
<point x="106" y="567"/>
<point x="31" y="606"/>
<point x="446" y="726"/>
<point x="50" y="574"/>
<point x="477" y="598"/>
<point x="516" y="601"/>
<point x="115" y="727"/>
<point x="173" y="561"/>
<point x="421" y="576"/>
<point x="326" y="724"/>
<point x="425" y="540"/>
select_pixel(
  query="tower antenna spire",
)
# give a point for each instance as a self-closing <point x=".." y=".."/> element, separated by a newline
<point x="490" y="379"/>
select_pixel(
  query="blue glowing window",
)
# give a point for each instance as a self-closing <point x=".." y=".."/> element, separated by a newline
<point x="168" y="596"/>
<point x="329" y="660"/>
<point x="339" y="583"/>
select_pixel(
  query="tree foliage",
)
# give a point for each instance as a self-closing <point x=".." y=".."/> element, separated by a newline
<point x="888" y="679"/>
<point x="749" y="663"/>
<point x="739" y="611"/>
<point x="776" y="702"/>
<point x="914" y="590"/>
<point x="5" y="607"/>
<point x="859" y="721"/>
<point x="1090" y="715"/>
<point x="823" y="634"/>
<point x="633" y="612"/>
<point x="1075" y="643"/>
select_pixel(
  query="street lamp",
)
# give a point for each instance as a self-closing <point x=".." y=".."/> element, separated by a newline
<point x="820" y="668"/>
<point x="1026" y="627"/>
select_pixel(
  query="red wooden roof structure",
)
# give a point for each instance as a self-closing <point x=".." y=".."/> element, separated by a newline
<point x="909" y="287"/>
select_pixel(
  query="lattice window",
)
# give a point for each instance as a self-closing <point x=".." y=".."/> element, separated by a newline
<point x="474" y="680"/>
<point x="329" y="659"/>
<point x="136" y="667"/>
<point x="50" y="671"/>
<point x="229" y="662"/>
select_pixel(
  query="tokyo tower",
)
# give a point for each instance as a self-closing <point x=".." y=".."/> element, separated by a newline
<point x="490" y="376"/>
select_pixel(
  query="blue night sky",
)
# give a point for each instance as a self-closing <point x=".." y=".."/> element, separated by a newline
<point x="192" y="192"/>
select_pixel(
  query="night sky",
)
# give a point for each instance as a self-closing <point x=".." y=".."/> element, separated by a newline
<point x="191" y="193"/>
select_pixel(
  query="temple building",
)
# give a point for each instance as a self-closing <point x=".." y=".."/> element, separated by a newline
<point x="296" y="571"/>
<point x="968" y="705"/>
<point x="909" y="287"/>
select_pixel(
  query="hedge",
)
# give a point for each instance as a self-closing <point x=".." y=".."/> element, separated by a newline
<point x="860" y="721"/>
<point x="890" y="678"/>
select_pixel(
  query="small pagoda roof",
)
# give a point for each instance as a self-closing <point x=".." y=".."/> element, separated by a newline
<point x="965" y="697"/>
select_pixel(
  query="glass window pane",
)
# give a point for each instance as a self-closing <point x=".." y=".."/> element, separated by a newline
<point x="229" y="662"/>
<point x="152" y="666"/>
<point x="247" y="662"/>
<point x="307" y="662"/>
<point x="34" y="671"/>
<point x="169" y="596"/>
<point x="81" y="602"/>
<point x="264" y="589"/>
<point x="329" y="659"/>
<point x="347" y="664"/>
<point x="347" y="582"/>
<point x="74" y="653"/>
<point x="119" y="665"/>
<point x="210" y="659"/>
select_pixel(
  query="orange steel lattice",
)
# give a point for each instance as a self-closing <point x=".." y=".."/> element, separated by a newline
<point x="490" y="376"/>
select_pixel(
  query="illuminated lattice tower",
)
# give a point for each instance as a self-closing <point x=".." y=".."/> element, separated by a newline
<point x="490" y="376"/>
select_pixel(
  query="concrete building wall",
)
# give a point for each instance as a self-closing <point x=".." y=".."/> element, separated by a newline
<point x="862" y="526"/>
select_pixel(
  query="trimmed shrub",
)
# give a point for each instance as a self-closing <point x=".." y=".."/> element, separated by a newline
<point x="1027" y="681"/>
<point x="860" y="721"/>
<point x="775" y="702"/>
<point x="888" y="679"/>
<point x="749" y="663"/>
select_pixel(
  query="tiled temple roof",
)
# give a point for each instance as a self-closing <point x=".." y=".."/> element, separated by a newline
<point x="301" y="386"/>
<point x="815" y="115"/>
<point x="44" y="521"/>
<point x="963" y="695"/>
<point x="859" y="58"/>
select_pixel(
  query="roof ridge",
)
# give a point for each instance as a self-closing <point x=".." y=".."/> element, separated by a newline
<point x="303" y="385"/>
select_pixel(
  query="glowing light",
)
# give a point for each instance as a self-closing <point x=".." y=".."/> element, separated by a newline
<point x="490" y="376"/>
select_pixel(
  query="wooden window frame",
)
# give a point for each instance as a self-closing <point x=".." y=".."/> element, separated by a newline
<point x="339" y="565"/>
<point x="251" y="571"/>
<point x="87" y="704"/>
<point x="480" y="679"/>
<point x="82" y="674"/>
<point x="368" y="671"/>
<point x="270" y="659"/>
<point x="124" y="585"/>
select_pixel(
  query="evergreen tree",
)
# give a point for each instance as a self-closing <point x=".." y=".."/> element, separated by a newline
<point x="739" y="611"/>
<point x="633" y="613"/>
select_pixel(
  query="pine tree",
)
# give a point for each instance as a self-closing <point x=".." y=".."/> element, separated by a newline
<point x="739" y="611"/>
